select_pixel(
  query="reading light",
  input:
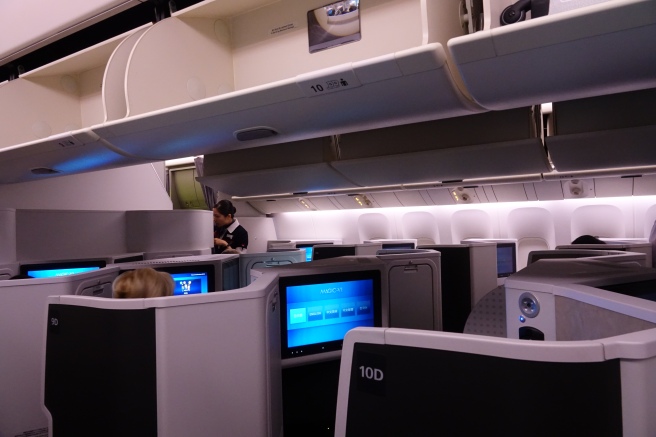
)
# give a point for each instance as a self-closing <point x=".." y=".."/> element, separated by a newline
<point x="579" y="188"/>
<point x="362" y="200"/>
<point x="306" y="204"/>
<point x="460" y="195"/>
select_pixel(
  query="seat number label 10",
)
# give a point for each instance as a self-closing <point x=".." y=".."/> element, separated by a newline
<point x="371" y="373"/>
<point x="333" y="81"/>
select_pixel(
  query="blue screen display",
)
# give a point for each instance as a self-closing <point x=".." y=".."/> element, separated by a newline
<point x="318" y="313"/>
<point x="190" y="283"/>
<point x="308" y="250"/>
<point x="505" y="260"/>
<point x="51" y="273"/>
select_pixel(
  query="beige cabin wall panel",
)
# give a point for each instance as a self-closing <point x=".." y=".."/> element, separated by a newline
<point x="113" y="93"/>
<point x="37" y="108"/>
<point x="91" y="103"/>
<point x="177" y="61"/>
<point x="262" y="55"/>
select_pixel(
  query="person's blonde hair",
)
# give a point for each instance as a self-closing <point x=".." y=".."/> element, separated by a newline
<point x="140" y="283"/>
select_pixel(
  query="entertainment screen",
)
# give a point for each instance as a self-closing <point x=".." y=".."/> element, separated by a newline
<point x="60" y="268"/>
<point x="191" y="279"/>
<point x="325" y="252"/>
<point x="308" y="250"/>
<point x="318" y="310"/>
<point x="506" y="259"/>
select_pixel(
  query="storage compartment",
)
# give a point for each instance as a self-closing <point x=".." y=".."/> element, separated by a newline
<point x="483" y="145"/>
<point x="621" y="125"/>
<point x="45" y="117"/>
<point x="215" y="78"/>
<point x="594" y="50"/>
<point x="227" y="75"/>
<point x="282" y="168"/>
<point x="451" y="150"/>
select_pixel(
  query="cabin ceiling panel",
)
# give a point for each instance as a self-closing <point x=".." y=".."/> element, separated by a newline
<point x="413" y="197"/>
<point x="385" y="199"/>
<point x="644" y="186"/>
<point x="548" y="190"/>
<point x="510" y="193"/>
<point x="441" y="196"/>
<point x="613" y="187"/>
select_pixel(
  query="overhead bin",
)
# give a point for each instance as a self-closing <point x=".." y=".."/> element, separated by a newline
<point x="68" y="153"/>
<point x="220" y="75"/>
<point x="45" y="116"/>
<point x="204" y="81"/>
<point x="606" y="132"/>
<point x="491" y="144"/>
<point x="295" y="167"/>
<point x="451" y="151"/>
<point x="599" y="49"/>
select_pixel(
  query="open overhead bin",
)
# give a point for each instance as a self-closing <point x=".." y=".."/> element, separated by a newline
<point x="224" y="75"/>
<point x="599" y="49"/>
<point x="603" y="133"/>
<point x="46" y="114"/>
<point x="205" y="81"/>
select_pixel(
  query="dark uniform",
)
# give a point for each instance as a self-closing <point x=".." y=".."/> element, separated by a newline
<point x="234" y="234"/>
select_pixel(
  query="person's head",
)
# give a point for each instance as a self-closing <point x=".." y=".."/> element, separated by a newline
<point x="224" y="213"/>
<point x="140" y="283"/>
<point x="587" y="239"/>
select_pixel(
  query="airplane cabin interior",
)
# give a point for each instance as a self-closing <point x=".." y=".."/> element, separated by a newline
<point x="415" y="177"/>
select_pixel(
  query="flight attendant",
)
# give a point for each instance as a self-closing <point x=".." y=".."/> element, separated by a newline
<point x="228" y="233"/>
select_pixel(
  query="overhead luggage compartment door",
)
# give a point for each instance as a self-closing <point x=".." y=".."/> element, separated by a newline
<point x="604" y="132"/>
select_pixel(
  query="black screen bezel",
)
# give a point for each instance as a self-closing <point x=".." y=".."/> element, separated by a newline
<point x="334" y="249"/>
<point x="324" y="278"/>
<point x="407" y="245"/>
<point x="557" y="254"/>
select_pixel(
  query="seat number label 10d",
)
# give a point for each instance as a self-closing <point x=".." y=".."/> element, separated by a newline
<point x="369" y="373"/>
